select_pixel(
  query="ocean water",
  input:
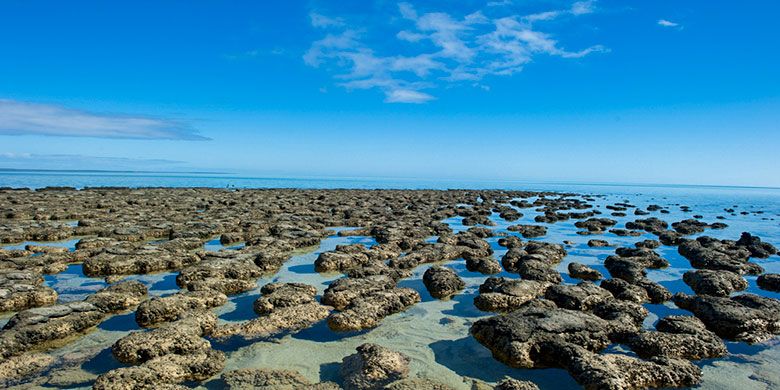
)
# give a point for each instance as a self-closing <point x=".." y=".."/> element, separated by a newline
<point x="435" y="333"/>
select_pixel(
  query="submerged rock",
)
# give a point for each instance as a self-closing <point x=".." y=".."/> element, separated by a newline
<point x="43" y="327"/>
<point x="757" y="248"/>
<point x="163" y="372"/>
<point x="516" y="337"/>
<point x="650" y="225"/>
<point x="483" y="265"/>
<point x="342" y="292"/>
<point x="119" y="297"/>
<point x="718" y="283"/>
<point x="378" y="268"/>
<point x="277" y="295"/>
<point x="373" y="367"/>
<point x="710" y="253"/>
<point x="625" y="291"/>
<point x="442" y="282"/>
<point x="598" y="243"/>
<point x="19" y="367"/>
<point x="182" y="337"/>
<point x="582" y="271"/>
<point x="368" y="311"/>
<point x="514" y="384"/>
<point x="583" y="296"/>
<point x="172" y="307"/>
<point x="270" y="379"/>
<point x="21" y="290"/>
<point x="769" y="282"/>
<point x="503" y="294"/>
<point x="614" y="371"/>
<point x="746" y="317"/>
<point x="682" y="337"/>
<point x="693" y="226"/>
<point x="595" y="226"/>
<point x="231" y="275"/>
<point x="281" y="320"/>
<point x="529" y="231"/>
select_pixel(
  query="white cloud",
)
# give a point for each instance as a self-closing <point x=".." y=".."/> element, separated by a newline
<point x="407" y="11"/>
<point x="15" y="160"/>
<point x="407" y="96"/>
<point x="666" y="23"/>
<point x="548" y="15"/>
<point x="582" y="7"/>
<point x="23" y="118"/>
<point x="322" y="21"/>
<point x="319" y="49"/>
<point x="442" y="48"/>
<point x="409" y="36"/>
<point x="499" y="3"/>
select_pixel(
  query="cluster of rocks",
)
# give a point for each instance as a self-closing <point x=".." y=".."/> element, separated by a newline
<point x="21" y="290"/>
<point x="174" y="349"/>
<point x="39" y="260"/>
<point x="442" y="282"/>
<point x="533" y="260"/>
<point x="529" y="231"/>
<point x="371" y="367"/>
<point x="362" y="302"/>
<point x="721" y="255"/>
<point x="504" y="294"/>
<point x="283" y="308"/>
<point x="630" y="265"/>
<point x="572" y="331"/>
<point x="594" y="225"/>
<point x="693" y="226"/>
<point x="548" y="324"/>
<point x="42" y="328"/>
<point x="543" y="323"/>
<point x="168" y="355"/>
<point x="717" y="283"/>
<point x="595" y="243"/>
<point x="467" y="245"/>
<point x="746" y="317"/>
<point x="582" y="271"/>
<point x="269" y="379"/>
<point x="769" y="282"/>
<point x="347" y="257"/>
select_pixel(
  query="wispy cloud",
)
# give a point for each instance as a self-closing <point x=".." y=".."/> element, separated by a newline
<point x="667" y="23"/>
<point x="438" y="48"/>
<point x="583" y="7"/>
<point x="24" y="118"/>
<point x="499" y="3"/>
<point x="78" y="161"/>
<point x="322" y="21"/>
<point x="407" y="96"/>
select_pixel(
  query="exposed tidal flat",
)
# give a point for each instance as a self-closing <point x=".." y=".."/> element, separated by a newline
<point x="404" y="289"/>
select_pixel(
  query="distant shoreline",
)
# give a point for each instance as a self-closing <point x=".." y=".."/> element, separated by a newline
<point x="22" y="170"/>
<point x="93" y="178"/>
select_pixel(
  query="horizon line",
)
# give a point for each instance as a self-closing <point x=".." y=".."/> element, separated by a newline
<point x="236" y="176"/>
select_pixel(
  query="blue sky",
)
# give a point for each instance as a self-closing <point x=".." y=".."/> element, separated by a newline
<point x="599" y="91"/>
